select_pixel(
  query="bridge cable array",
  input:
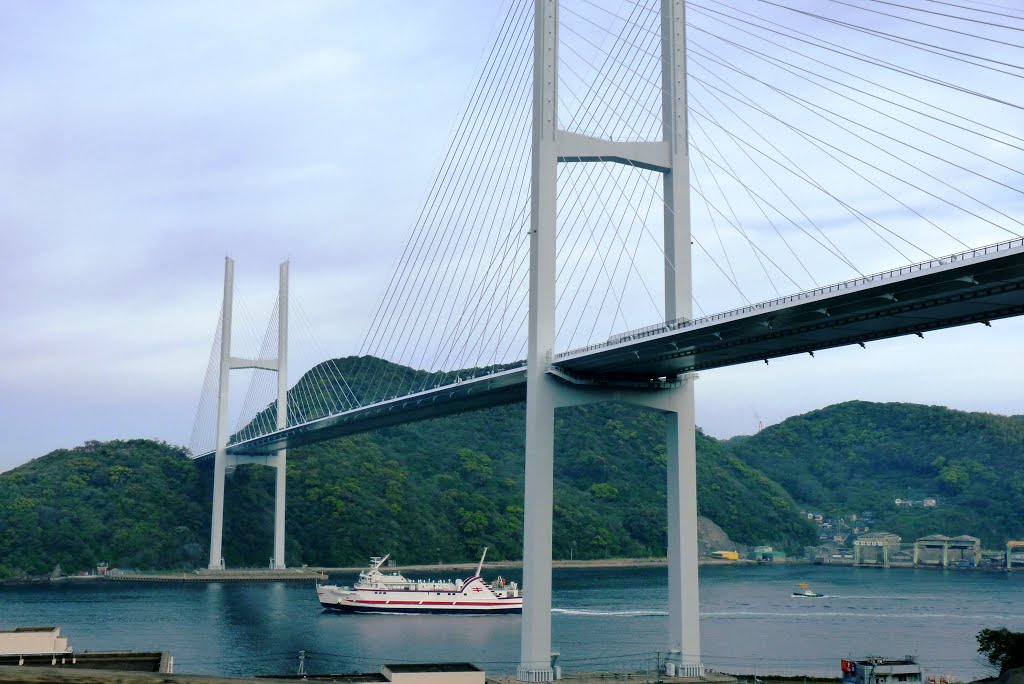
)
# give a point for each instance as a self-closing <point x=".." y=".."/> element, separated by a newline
<point x="826" y="142"/>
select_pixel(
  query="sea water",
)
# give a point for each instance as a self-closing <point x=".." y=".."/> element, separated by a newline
<point x="603" y="619"/>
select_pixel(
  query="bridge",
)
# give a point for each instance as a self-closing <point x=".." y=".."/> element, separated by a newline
<point x="978" y="286"/>
<point x="488" y="227"/>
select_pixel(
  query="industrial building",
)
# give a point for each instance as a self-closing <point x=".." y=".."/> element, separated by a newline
<point x="875" y="548"/>
<point x="943" y="551"/>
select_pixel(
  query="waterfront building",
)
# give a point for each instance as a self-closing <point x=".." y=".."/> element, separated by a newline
<point x="938" y="549"/>
<point x="876" y="670"/>
<point x="33" y="640"/>
<point x="875" y="548"/>
<point x="44" y="647"/>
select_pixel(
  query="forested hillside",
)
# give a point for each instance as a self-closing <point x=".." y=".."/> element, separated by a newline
<point x="440" y="490"/>
<point x="861" y="456"/>
<point x="436" y="490"/>
<point x="443" y="489"/>
<point x="140" y="503"/>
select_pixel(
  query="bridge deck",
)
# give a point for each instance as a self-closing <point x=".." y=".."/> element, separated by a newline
<point x="971" y="287"/>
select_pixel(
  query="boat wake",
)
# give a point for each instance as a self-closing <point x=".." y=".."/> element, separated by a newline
<point x="608" y="613"/>
<point x="909" y="616"/>
<point x="886" y="598"/>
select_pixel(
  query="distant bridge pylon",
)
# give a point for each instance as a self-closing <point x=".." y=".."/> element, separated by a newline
<point x="222" y="459"/>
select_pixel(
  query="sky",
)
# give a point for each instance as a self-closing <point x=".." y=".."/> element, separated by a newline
<point x="141" y="143"/>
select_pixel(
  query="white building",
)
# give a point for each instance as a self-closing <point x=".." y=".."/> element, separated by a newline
<point x="33" y="641"/>
<point x="876" y="670"/>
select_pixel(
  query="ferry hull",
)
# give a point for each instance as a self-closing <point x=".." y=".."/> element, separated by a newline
<point x="431" y="610"/>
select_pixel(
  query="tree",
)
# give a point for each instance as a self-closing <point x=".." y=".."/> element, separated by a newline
<point x="1002" y="647"/>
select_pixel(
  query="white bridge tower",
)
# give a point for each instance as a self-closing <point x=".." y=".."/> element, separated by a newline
<point x="224" y="461"/>
<point x="545" y="391"/>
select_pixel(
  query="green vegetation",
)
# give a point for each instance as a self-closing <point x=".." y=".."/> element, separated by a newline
<point x="138" y="502"/>
<point x="860" y="456"/>
<point x="1003" y="648"/>
<point x="440" y="490"/>
<point x="429" y="491"/>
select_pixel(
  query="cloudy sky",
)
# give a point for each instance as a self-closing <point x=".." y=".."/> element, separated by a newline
<point x="140" y="143"/>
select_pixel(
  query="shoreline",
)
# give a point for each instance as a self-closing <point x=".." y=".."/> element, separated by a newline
<point x="320" y="572"/>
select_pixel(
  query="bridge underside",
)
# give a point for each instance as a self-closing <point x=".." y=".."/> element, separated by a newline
<point x="975" y="287"/>
<point x="949" y="292"/>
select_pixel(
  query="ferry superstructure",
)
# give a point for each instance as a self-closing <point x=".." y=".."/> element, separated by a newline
<point x="377" y="592"/>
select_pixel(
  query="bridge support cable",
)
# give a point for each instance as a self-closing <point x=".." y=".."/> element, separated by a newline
<point x="830" y="116"/>
<point x="702" y="112"/>
<point x="204" y="428"/>
<point x="816" y="78"/>
<point x="756" y="106"/>
<point x="790" y="166"/>
<point x="339" y="392"/>
<point x="222" y="460"/>
<point x="820" y="144"/>
<point x="469" y="166"/>
<point x="839" y="49"/>
<point x="638" y="46"/>
<point x="640" y="76"/>
<point x="940" y="50"/>
<point x="252" y="420"/>
<point x="599" y="112"/>
<point x="795" y="256"/>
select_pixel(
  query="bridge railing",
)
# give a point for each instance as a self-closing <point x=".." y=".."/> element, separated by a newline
<point x="682" y="323"/>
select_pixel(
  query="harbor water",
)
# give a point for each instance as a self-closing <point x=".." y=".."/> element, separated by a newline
<point x="604" y="619"/>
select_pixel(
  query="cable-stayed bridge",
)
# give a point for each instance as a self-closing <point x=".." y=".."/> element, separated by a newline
<point x="744" y="159"/>
<point x="979" y="286"/>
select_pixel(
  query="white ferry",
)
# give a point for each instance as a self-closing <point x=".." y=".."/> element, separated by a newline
<point x="376" y="592"/>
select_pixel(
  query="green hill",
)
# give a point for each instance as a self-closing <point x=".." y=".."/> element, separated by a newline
<point x="138" y="503"/>
<point x="861" y="456"/>
<point x="435" y="490"/>
<point x="441" y="489"/>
